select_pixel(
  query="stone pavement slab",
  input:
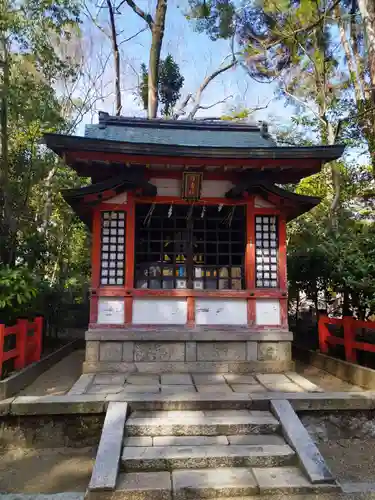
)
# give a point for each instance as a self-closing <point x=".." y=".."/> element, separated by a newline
<point x="138" y="441"/>
<point x="208" y="378"/>
<point x="221" y="388"/>
<point x="211" y="483"/>
<point x="190" y="440"/>
<point x="256" y="439"/>
<point x="248" y="388"/>
<point x="275" y="480"/>
<point x="138" y="388"/>
<point x="177" y="389"/>
<point x="303" y="382"/>
<point x="105" y="389"/>
<point x="110" y="378"/>
<point x="176" y="379"/>
<point x="284" y="387"/>
<point x="141" y="379"/>
<point x="145" y="486"/>
<point x="237" y="378"/>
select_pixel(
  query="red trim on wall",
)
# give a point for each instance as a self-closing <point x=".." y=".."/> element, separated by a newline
<point x="264" y="293"/>
<point x="251" y="312"/>
<point x="190" y="311"/>
<point x="282" y="254"/>
<point x="250" y="245"/>
<point x="255" y="163"/>
<point x="284" y="312"/>
<point x="177" y="174"/>
<point x="112" y="206"/>
<point x="95" y="250"/>
<point x="129" y="255"/>
<point x="179" y="201"/>
<point x="128" y="308"/>
<point x="94" y="302"/>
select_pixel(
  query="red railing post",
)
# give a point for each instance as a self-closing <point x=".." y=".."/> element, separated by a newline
<point x="38" y="336"/>
<point x="21" y="339"/>
<point x="323" y="333"/>
<point x="2" y="338"/>
<point x="349" y="336"/>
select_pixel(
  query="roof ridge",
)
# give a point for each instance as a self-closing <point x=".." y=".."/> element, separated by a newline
<point x="215" y="124"/>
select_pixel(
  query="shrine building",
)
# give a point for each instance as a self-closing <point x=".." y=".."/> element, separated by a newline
<point x="188" y="222"/>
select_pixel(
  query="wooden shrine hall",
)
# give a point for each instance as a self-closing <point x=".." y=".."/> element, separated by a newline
<point x="188" y="224"/>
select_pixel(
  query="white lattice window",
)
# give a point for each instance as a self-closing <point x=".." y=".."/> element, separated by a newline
<point x="112" y="269"/>
<point x="266" y="251"/>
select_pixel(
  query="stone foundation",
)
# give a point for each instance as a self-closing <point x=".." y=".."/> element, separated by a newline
<point x="161" y="351"/>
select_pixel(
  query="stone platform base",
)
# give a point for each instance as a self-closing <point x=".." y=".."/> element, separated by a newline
<point x="157" y="350"/>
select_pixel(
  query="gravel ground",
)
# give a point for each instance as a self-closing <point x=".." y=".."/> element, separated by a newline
<point x="324" y="379"/>
<point x="46" y="470"/>
<point x="58" y="379"/>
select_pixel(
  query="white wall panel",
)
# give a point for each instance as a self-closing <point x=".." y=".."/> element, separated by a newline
<point x="157" y="311"/>
<point x="167" y="187"/>
<point x="119" y="198"/>
<point x="267" y="312"/>
<point x="220" y="312"/>
<point x="215" y="189"/>
<point x="111" y="310"/>
<point x="261" y="203"/>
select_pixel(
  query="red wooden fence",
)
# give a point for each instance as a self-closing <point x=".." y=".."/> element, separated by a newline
<point x="350" y="326"/>
<point x="28" y="347"/>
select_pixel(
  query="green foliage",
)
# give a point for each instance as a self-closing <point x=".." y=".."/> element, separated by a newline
<point x="16" y="287"/>
<point x="143" y="86"/>
<point x="169" y="85"/>
<point x="47" y="252"/>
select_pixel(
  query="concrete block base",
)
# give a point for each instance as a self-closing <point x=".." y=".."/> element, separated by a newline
<point x="182" y="351"/>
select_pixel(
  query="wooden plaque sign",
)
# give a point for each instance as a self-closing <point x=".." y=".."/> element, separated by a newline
<point x="191" y="185"/>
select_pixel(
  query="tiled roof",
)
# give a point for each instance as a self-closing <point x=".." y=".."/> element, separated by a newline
<point x="180" y="132"/>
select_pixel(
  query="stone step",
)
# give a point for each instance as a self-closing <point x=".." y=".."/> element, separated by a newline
<point x="200" y="423"/>
<point x="206" y="456"/>
<point x="240" y="482"/>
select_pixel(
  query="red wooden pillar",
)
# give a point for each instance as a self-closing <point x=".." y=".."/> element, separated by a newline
<point x="190" y="311"/>
<point x="21" y="339"/>
<point x="95" y="264"/>
<point x="38" y="335"/>
<point x="283" y="283"/>
<point x="349" y="336"/>
<point x="282" y="255"/>
<point x="323" y="333"/>
<point x="129" y="258"/>
<point x="2" y="339"/>
<point x="250" y="259"/>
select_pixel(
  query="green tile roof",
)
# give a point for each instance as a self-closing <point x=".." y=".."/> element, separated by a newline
<point x="180" y="132"/>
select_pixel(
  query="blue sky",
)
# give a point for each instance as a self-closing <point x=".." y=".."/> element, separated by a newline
<point x="196" y="55"/>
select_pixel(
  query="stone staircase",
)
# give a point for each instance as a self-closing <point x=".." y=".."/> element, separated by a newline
<point x="210" y="454"/>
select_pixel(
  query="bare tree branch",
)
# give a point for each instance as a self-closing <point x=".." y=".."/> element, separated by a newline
<point x="181" y="109"/>
<point x="133" y="36"/>
<point x="146" y="17"/>
<point x="205" y="83"/>
<point x="216" y="103"/>
<point x="305" y="105"/>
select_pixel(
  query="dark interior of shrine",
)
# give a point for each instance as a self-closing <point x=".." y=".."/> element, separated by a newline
<point x="190" y="246"/>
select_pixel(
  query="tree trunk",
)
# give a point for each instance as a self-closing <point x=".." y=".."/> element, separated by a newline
<point x="367" y="10"/>
<point x="116" y="57"/>
<point x="153" y="66"/>
<point x="7" y="247"/>
<point x="336" y="177"/>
